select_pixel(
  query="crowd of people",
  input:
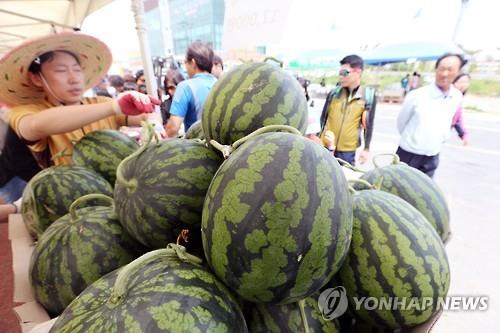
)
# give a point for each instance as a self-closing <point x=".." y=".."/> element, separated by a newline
<point x="58" y="90"/>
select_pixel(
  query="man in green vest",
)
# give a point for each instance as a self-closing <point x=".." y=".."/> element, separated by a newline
<point x="349" y="111"/>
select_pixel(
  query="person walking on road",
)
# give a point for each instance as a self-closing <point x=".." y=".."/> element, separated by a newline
<point x="405" y="82"/>
<point x="462" y="83"/>
<point x="414" y="81"/>
<point x="425" y="117"/>
<point x="349" y="108"/>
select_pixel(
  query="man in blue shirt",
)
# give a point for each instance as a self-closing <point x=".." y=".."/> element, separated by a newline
<point x="190" y="95"/>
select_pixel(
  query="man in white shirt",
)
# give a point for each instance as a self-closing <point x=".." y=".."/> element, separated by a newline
<point x="424" y="121"/>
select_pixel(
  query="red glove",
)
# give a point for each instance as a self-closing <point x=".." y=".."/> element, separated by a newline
<point x="133" y="103"/>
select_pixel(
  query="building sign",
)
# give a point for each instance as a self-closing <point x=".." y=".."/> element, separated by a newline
<point x="254" y="23"/>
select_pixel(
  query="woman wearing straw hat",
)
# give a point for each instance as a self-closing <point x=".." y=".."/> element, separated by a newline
<point x="44" y="81"/>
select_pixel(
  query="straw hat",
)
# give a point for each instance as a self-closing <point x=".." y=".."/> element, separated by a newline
<point x="15" y="86"/>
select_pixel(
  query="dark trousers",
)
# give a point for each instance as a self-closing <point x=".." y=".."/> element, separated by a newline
<point x="347" y="156"/>
<point x="424" y="163"/>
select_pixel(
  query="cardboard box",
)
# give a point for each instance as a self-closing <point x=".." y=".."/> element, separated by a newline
<point x="31" y="314"/>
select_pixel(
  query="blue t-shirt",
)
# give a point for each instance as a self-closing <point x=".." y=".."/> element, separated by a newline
<point x="190" y="96"/>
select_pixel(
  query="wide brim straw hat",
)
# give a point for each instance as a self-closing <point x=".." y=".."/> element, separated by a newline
<point x="15" y="86"/>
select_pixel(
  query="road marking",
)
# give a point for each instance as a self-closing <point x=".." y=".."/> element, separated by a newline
<point x="486" y="129"/>
<point x="449" y="145"/>
<point x="478" y="128"/>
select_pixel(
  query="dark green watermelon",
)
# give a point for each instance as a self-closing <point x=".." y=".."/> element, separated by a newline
<point x="394" y="252"/>
<point x="272" y="318"/>
<point x="277" y="219"/>
<point x="252" y="96"/>
<point x="102" y="151"/>
<point x="195" y="131"/>
<point x="49" y="194"/>
<point x="75" y="251"/>
<point x="159" y="292"/>
<point x="418" y="190"/>
<point x="160" y="190"/>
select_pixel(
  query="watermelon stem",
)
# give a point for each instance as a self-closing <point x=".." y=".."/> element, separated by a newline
<point x="266" y="129"/>
<point x="202" y="141"/>
<point x="227" y="150"/>
<point x="172" y="252"/>
<point x="303" y="315"/>
<point x="361" y="182"/>
<point x="378" y="184"/>
<point x="351" y="190"/>
<point x="348" y="165"/>
<point x="132" y="183"/>
<point x="280" y="63"/>
<point x="83" y="199"/>
<point x="395" y="159"/>
<point x="224" y="149"/>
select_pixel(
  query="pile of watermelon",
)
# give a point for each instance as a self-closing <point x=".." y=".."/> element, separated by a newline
<point x="239" y="226"/>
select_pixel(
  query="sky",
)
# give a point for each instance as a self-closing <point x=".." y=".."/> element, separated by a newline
<point x="325" y="24"/>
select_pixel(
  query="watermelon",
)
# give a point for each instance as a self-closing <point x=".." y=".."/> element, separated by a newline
<point x="277" y="219"/>
<point x="102" y="151"/>
<point x="162" y="291"/>
<point x="394" y="252"/>
<point x="416" y="188"/>
<point x="49" y="194"/>
<point x="252" y="96"/>
<point x="76" y="250"/>
<point x="195" y="131"/>
<point x="272" y="318"/>
<point x="160" y="190"/>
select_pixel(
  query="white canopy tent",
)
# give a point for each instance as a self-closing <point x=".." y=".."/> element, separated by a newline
<point x="24" y="19"/>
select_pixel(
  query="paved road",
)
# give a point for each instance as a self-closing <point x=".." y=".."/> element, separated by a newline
<point x="470" y="178"/>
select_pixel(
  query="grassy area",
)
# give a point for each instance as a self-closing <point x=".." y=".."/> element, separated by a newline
<point x="380" y="80"/>
<point x="485" y="88"/>
<point x="489" y="88"/>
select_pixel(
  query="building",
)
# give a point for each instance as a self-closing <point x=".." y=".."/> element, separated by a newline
<point x="187" y="21"/>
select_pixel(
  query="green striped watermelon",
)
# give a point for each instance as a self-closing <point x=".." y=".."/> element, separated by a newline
<point x="49" y="194"/>
<point x="249" y="97"/>
<point x="418" y="190"/>
<point x="76" y="250"/>
<point x="195" y="131"/>
<point x="394" y="252"/>
<point x="160" y="190"/>
<point x="159" y="292"/>
<point x="272" y="318"/>
<point x="277" y="219"/>
<point x="102" y="151"/>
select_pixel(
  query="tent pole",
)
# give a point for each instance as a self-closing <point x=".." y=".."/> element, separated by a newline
<point x="138" y="10"/>
<point x="147" y="62"/>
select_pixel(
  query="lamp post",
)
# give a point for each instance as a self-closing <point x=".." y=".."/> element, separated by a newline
<point x="459" y="19"/>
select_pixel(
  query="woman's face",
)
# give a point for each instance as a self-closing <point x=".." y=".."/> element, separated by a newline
<point x="64" y="78"/>
<point x="462" y="84"/>
<point x="171" y="87"/>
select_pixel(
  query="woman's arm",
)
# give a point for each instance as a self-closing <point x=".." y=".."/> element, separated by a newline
<point x="62" y="119"/>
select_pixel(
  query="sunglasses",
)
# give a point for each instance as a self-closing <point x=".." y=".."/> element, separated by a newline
<point x="344" y="72"/>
